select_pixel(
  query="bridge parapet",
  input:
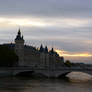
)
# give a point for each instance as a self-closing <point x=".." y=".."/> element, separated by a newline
<point x="45" y="71"/>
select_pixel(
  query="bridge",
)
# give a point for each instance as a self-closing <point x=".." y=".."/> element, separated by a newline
<point x="44" y="71"/>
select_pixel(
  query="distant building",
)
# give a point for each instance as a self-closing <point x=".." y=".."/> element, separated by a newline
<point x="30" y="56"/>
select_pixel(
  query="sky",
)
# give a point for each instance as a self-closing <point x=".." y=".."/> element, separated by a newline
<point x="65" y="25"/>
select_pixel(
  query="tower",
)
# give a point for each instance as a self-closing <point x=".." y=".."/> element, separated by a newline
<point x="19" y="48"/>
<point x="52" y="58"/>
<point x="46" y="56"/>
<point x="42" y="56"/>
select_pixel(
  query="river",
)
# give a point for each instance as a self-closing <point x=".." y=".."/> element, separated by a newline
<point x="19" y="84"/>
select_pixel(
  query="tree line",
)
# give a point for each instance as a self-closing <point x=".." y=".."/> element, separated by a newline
<point x="8" y="57"/>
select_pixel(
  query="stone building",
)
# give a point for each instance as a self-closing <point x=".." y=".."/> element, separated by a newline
<point x="30" y="56"/>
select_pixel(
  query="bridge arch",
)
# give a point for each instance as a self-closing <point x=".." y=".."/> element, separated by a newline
<point x="30" y="73"/>
<point x="67" y="72"/>
<point x="63" y="75"/>
<point x="25" y="73"/>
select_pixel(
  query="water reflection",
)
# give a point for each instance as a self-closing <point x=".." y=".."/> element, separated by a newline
<point x="79" y="77"/>
<point x="15" y="84"/>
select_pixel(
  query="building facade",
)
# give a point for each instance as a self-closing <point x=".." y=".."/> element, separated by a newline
<point x="30" y="56"/>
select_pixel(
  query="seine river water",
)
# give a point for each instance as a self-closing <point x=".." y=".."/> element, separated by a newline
<point x="17" y="84"/>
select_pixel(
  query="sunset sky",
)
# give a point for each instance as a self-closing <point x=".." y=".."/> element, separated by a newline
<point x="65" y="25"/>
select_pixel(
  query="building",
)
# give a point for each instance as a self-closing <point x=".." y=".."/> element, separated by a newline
<point x="30" y="56"/>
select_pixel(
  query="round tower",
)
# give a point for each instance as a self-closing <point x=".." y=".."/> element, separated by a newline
<point x="46" y="57"/>
<point x="19" y="48"/>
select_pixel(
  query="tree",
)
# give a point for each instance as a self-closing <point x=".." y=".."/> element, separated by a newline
<point x="7" y="56"/>
<point x="68" y="63"/>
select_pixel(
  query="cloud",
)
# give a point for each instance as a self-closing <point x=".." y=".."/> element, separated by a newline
<point x="67" y="24"/>
<point x="70" y="54"/>
<point x="46" y="22"/>
<point x="48" y="8"/>
<point x="21" y="22"/>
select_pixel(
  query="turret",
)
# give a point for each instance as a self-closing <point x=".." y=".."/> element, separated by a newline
<point x="41" y="48"/>
<point x="44" y="56"/>
<point x="52" y="58"/>
<point x="46" y="50"/>
<point x="52" y="51"/>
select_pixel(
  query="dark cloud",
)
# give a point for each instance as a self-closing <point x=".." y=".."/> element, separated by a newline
<point x="47" y="8"/>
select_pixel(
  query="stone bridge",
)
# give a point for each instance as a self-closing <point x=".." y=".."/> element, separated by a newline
<point x="44" y="71"/>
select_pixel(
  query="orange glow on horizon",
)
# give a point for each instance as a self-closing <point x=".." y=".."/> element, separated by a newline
<point x="67" y="54"/>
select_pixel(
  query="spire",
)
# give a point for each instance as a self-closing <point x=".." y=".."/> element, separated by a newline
<point x="52" y="51"/>
<point x="19" y="37"/>
<point x="46" y="49"/>
<point x="19" y="33"/>
<point x="41" y="48"/>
